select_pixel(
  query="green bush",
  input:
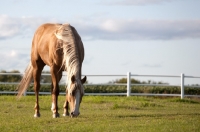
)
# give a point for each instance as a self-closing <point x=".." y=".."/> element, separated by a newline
<point x="113" y="89"/>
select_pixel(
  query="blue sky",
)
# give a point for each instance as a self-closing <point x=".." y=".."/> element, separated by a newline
<point x="140" y="36"/>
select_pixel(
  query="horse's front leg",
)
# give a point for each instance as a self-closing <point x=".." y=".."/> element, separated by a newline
<point x="65" y="106"/>
<point x="54" y="106"/>
<point x="55" y="91"/>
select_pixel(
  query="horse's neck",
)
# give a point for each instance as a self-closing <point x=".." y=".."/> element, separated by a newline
<point x="76" y="71"/>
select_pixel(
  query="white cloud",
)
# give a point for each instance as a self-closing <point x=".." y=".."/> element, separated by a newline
<point x="13" y="60"/>
<point x="135" y="2"/>
<point x="110" y="25"/>
<point x="115" y="29"/>
<point x="5" y="30"/>
<point x="107" y="29"/>
<point x="13" y="53"/>
<point x="19" y="26"/>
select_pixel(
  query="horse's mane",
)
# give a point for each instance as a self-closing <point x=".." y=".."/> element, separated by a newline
<point x="71" y="57"/>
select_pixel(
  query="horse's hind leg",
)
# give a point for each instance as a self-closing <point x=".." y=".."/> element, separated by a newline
<point x="36" y="76"/>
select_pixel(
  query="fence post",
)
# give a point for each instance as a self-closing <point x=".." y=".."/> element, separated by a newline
<point x="128" y="84"/>
<point x="182" y="85"/>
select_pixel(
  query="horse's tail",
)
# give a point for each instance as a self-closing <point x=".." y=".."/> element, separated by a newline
<point x="26" y="80"/>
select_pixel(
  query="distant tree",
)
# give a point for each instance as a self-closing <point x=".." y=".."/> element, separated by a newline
<point x="10" y="78"/>
<point x="17" y="78"/>
<point x="124" y="80"/>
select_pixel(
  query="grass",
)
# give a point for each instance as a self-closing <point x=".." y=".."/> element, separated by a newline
<point x="103" y="113"/>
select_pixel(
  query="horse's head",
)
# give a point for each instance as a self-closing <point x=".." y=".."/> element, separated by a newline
<point x="75" y="92"/>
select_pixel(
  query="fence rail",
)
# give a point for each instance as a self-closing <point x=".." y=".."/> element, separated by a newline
<point x="128" y="93"/>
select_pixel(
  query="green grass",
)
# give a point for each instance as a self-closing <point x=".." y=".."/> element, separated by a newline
<point x="103" y="113"/>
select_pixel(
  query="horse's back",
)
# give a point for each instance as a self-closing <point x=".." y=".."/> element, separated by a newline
<point x="44" y="32"/>
<point x="44" y="42"/>
<point x="48" y="48"/>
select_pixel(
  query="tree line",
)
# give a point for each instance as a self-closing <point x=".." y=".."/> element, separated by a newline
<point x="17" y="78"/>
<point x="135" y="81"/>
<point x="47" y="79"/>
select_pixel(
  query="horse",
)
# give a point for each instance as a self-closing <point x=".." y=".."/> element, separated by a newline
<point x="60" y="47"/>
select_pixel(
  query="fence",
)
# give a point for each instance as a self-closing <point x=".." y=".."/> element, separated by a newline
<point x="128" y="85"/>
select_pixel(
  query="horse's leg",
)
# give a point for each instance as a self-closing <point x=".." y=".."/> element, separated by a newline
<point x="55" y="75"/>
<point x="36" y="76"/>
<point x="65" y="106"/>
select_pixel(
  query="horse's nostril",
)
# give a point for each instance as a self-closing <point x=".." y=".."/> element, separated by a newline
<point x="72" y="114"/>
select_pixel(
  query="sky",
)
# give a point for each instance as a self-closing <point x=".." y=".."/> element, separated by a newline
<point x="144" y="37"/>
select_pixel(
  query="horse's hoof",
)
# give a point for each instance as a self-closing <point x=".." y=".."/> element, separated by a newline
<point x="65" y="114"/>
<point x="56" y="115"/>
<point x="37" y="115"/>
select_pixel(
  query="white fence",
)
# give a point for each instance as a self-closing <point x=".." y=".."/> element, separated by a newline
<point x="128" y="85"/>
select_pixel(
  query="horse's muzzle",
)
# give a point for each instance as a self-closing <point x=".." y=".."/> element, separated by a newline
<point x="73" y="114"/>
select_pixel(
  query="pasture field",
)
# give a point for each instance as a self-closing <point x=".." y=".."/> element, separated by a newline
<point x="103" y="113"/>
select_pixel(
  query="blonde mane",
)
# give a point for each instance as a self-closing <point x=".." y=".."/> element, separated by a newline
<point x="71" y="59"/>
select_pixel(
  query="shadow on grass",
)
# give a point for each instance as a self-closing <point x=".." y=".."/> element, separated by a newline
<point x="157" y="115"/>
<point x="190" y="101"/>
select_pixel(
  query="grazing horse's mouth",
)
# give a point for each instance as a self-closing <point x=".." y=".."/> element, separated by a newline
<point x="74" y="115"/>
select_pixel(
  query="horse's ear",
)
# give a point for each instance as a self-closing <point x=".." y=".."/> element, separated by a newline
<point x="83" y="80"/>
<point x="73" y="79"/>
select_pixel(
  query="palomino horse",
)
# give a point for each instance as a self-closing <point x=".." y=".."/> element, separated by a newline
<point x="60" y="47"/>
